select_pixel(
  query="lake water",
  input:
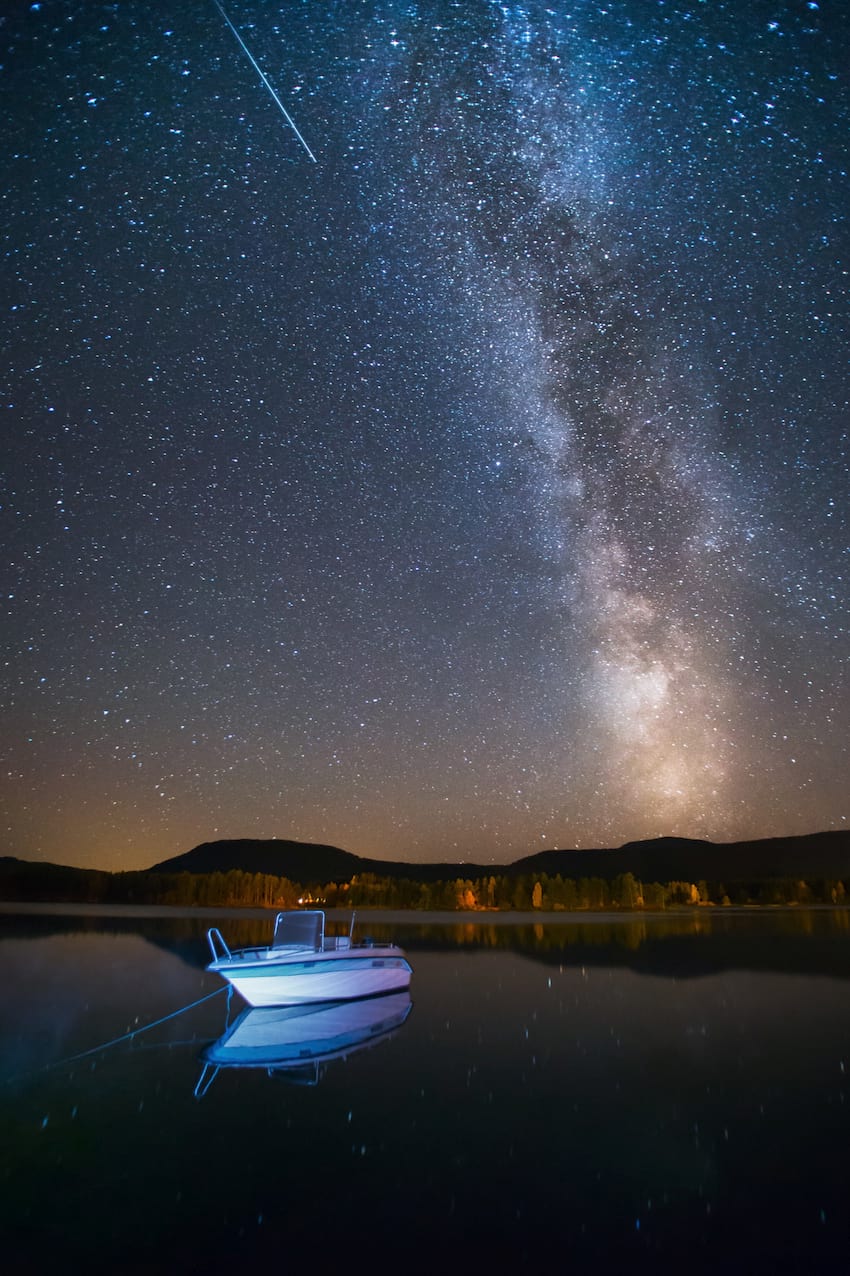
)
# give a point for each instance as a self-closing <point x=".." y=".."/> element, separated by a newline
<point x="651" y="1095"/>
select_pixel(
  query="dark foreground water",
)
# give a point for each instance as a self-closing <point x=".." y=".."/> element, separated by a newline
<point x="659" y="1096"/>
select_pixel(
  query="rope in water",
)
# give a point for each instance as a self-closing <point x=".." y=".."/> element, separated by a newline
<point x="128" y="1036"/>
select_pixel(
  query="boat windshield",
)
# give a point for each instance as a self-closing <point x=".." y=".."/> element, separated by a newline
<point x="299" y="930"/>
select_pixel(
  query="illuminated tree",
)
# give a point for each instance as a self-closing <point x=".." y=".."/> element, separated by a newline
<point x="625" y="891"/>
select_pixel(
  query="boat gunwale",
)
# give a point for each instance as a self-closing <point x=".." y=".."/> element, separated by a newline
<point x="244" y="959"/>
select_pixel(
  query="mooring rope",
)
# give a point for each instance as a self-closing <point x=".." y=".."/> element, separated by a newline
<point x="126" y="1036"/>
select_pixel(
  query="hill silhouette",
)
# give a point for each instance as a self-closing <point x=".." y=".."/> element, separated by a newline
<point x="299" y="861"/>
<point x="305" y="862"/>
<point x="810" y="856"/>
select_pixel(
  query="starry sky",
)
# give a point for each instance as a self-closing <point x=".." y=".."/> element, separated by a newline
<point x="464" y="477"/>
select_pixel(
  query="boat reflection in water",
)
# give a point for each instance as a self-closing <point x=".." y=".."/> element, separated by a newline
<point x="297" y="1041"/>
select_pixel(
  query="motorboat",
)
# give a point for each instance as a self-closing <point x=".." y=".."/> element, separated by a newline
<point x="296" y="1042"/>
<point x="303" y="964"/>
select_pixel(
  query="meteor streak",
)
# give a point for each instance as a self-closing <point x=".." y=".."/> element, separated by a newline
<point x="290" y="121"/>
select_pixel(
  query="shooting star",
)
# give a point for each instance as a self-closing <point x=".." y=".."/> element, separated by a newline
<point x="290" y="121"/>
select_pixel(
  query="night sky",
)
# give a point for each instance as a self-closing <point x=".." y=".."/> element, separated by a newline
<point x="474" y="487"/>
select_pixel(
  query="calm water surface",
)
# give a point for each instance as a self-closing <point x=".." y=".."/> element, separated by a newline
<point x="651" y="1095"/>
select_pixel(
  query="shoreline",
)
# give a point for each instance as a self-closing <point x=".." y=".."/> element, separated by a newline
<point x="412" y="916"/>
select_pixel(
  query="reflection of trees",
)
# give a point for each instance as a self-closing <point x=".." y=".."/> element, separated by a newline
<point x="689" y="943"/>
<point x="692" y="943"/>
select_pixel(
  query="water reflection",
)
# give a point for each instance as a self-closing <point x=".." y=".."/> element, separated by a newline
<point x="692" y="942"/>
<point x="297" y="1042"/>
<point x="569" y="1089"/>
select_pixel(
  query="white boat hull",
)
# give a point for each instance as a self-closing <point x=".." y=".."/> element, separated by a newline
<point x="333" y="976"/>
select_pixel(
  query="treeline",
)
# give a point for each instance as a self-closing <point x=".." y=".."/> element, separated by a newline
<point x="27" y="881"/>
<point x="567" y="894"/>
<point x="495" y="892"/>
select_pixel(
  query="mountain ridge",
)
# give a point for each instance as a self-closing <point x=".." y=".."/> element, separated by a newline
<point x="816" y="855"/>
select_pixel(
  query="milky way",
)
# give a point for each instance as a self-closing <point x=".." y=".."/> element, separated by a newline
<point x="478" y="488"/>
